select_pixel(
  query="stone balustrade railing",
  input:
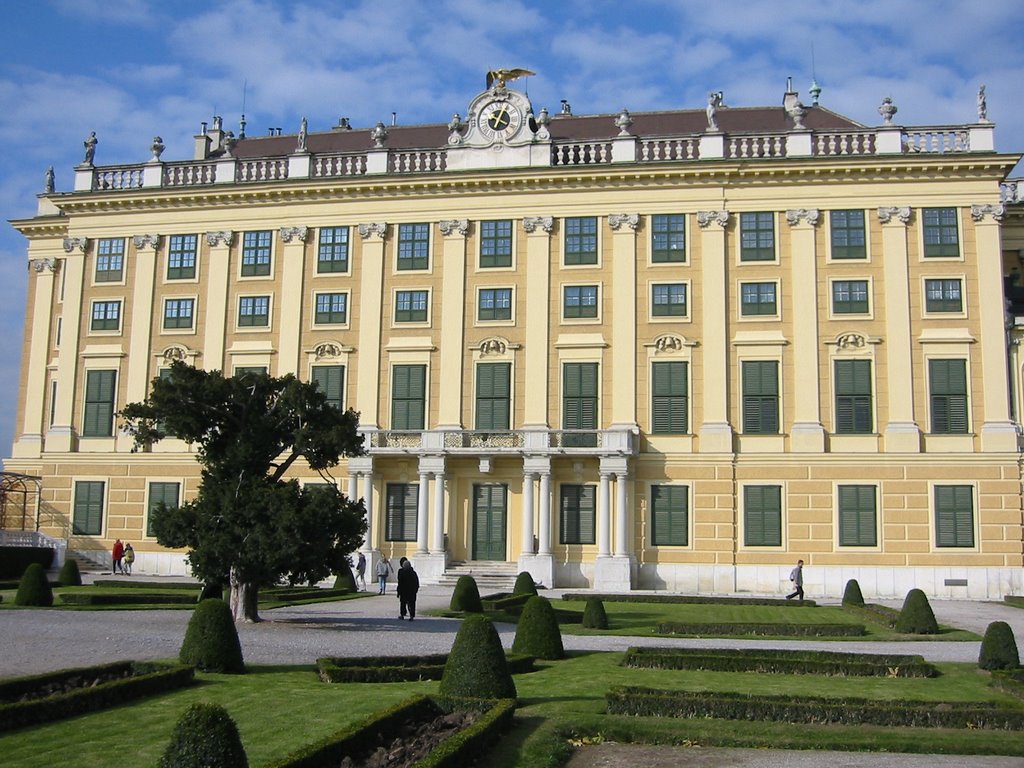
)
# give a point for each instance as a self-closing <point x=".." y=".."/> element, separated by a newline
<point x="490" y="442"/>
<point x="885" y="140"/>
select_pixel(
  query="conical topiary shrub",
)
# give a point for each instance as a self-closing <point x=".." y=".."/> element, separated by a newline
<point x="537" y="633"/>
<point x="205" y="737"/>
<point x="476" y="667"/>
<point x="34" y="588"/>
<point x="916" y="617"/>
<point x="594" y="616"/>
<point x="524" y="584"/>
<point x="998" y="648"/>
<point x="70" y="576"/>
<point x="211" y="591"/>
<point x="345" y="579"/>
<point x="211" y="640"/>
<point x="466" y="596"/>
<point x="852" y="595"/>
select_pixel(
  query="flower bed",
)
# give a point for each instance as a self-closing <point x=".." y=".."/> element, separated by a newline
<point x="394" y="669"/>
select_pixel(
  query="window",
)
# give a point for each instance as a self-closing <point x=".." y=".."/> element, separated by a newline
<point x="668" y="300"/>
<point x="850" y="297"/>
<point x="493" y="395"/>
<point x="670" y="515"/>
<point x="106" y="316"/>
<point x="178" y="313"/>
<point x="98" y="415"/>
<point x="757" y="236"/>
<point x="413" y="246"/>
<point x="943" y="296"/>
<point x="250" y="370"/>
<point x="758" y="299"/>
<point x="853" y="397"/>
<point x="332" y="251"/>
<point x="857" y="516"/>
<point x="947" y="380"/>
<point x="848" y="235"/>
<point x="762" y="516"/>
<point x="954" y="516"/>
<point x="670" y="398"/>
<point x="88" y="514"/>
<point x="331" y="381"/>
<point x="408" y="397"/>
<point x="490" y="516"/>
<point x="161" y="493"/>
<point x="254" y="312"/>
<point x="411" y="307"/>
<point x="494" y="304"/>
<point x="578" y="514"/>
<point x="331" y="308"/>
<point x="256" y="254"/>
<point x="496" y="243"/>
<point x="181" y="257"/>
<point x="580" y="301"/>
<point x="400" y="511"/>
<point x="581" y="240"/>
<point x="940" y="232"/>
<point x="760" y="397"/>
<point x="579" y="403"/>
<point x="110" y="260"/>
<point x="668" y="238"/>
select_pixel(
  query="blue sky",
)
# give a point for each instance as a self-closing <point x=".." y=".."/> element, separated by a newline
<point x="132" y="69"/>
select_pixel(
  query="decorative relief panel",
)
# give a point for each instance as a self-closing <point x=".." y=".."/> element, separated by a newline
<point x="997" y="211"/>
<point x="374" y="229"/>
<point x="533" y="223"/>
<point x="631" y="220"/>
<point x="146" y="241"/>
<point x="218" y="238"/>
<point x="294" y="233"/>
<point x="71" y="243"/>
<point x="811" y="215"/>
<point x="449" y="226"/>
<point x="902" y="213"/>
<point x="44" y="265"/>
<point x="704" y="218"/>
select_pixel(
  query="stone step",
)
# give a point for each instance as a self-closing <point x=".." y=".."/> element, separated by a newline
<point x="490" y="576"/>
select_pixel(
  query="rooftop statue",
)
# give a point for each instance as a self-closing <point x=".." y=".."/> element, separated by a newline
<point x="502" y="76"/>
<point x="90" y="148"/>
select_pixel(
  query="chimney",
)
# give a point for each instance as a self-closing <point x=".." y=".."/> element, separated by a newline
<point x="790" y="99"/>
<point x="202" y="145"/>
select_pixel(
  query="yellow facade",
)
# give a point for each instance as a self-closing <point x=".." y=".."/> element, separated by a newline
<point x="900" y="481"/>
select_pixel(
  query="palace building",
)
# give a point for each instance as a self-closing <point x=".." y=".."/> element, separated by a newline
<point x="667" y="350"/>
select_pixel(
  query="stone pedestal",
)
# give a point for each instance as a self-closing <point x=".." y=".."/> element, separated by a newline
<point x="614" y="574"/>
<point x="540" y="567"/>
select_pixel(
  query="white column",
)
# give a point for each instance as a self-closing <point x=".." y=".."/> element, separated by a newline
<point x="527" y="548"/>
<point x="437" y="544"/>
<point x="353" y="485"/>
<point x="621" y="516"/>
<point x="368" y="502"/>
<point x="544" y="534"/>
<point x="604" y="517"/>
<point x="421" y="515"/>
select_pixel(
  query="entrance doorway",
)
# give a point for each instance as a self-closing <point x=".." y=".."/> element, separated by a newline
<point x="490" y="513"/>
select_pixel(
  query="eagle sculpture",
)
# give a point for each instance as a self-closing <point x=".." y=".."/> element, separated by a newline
<point x="501" y="76"/>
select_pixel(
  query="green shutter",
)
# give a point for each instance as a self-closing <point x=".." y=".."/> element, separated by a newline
<point x="408" y="396"/>
<point x="760" y="381"/>
<point x="88" y="509"/>
<point x="493" y="395"/>
<point x="954" y="516"/>
<point x="98" y="416"/>
<point x="857" y="516"/>
<point x="579" y="402"/>
<point x="670" y="515"/>
<point x="401" y="502"/>
<point x="948" y="396"/>
<point x="762" y="516"/>
<point x="160" y="493"/>
<point x="853" y="396"/>
<point x="489" y="519"/>
<point x="578" y="514"/>
<point x="670" y="398"/>
<point x="331" y="381"/>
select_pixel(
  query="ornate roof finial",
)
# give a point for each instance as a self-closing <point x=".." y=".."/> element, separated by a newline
<point x="887" y="110"/>
<point x="814" y="91"/>
<point x="623" y="121"/>
<point x="498" y="77"/>
<point x="982" y="106"/>
<point x="379" y="135"/>
<point x="157" y="148"/>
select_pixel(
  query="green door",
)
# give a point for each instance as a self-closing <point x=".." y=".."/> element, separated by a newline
<point x="489" y="514"/>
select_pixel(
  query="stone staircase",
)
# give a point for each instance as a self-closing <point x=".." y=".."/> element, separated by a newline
<point x="491" y="576"/>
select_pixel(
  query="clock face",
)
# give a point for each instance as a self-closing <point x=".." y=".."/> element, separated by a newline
<point x="500" y="120"/>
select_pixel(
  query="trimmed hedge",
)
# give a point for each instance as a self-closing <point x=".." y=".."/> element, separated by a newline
<point x="753" y="628"/>
<point x="998" y="648"/>
<point x="130" y="583"/>
<point x="476" y="666"/>
<point x="345" y="580"/>
<point x="211" y="640"/>
<point x="466" y="596"/>
<point x="70" y="576"/>
<point x="140" y="679"/>
<point x="916" y="617"/>
<point x="878" y="614"/>
<point x="852" y="594"/>
<point x="503" y="601"/>
<point x="650" y="702"/>
<point x="525" y="585"/>
<point x="686" y="599"/>
<point x="395" y="669"/>
<point x="460" y="749"/>
<point x="14" y="560"/>
<point x="130" y="598"/>
<point x="780" y="662"/>
<point x="205" y="737"/>
<point x="1009" y="681"/>
<point x="290" y="594"/>
<point x="594" y="615"/>
<point x="537" y="633"/>
<point x="34" y="588"/>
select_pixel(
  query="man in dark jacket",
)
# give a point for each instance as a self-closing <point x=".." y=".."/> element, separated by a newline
<point x="408" y="586"/>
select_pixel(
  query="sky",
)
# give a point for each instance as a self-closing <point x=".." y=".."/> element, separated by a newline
<point x="133" y="69"/>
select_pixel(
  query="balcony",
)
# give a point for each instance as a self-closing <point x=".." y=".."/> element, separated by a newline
<point x="467" y="442"/>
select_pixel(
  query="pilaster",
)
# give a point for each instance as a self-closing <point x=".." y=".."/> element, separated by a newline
<point x="29" y="443"/>
<point x="140" y="340"/>
<point x="538" y="329"/>
<point x="293" y="270"/>
<point x="218" y="314"/>
<point x="453" y="303"/>
<point x="371" y="281"/>
<point x="716" y="434"/>
<point x="623" y="317"/>
<point x="61" y="434"/>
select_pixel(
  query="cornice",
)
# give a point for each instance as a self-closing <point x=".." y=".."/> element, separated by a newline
<point x="42" y="227"/>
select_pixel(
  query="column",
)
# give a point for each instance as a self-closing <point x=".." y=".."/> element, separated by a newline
<point x="527" y="546"/>
<point x="422" y="512"/>
<point x="371" y="267"/>
<point x="538" y="332"/>
<point x="997" y="429"/>
<point x="29" y="443"/>
<point x="902" y="434"/>
<point x="604" y="516"/>
<point x="437" y="541"/>
<point x="368" y="503"/>
<point x="807" y="434"/>
<point x="453" y="305"/>
<point x="623" y="318"/>
<point x="715" y="432"/>
<point x="60" y="435"/>
<point x="621" y="517"/>
<point x="291" y="300"/>
<point x="218" y="314"/>
<point x="544" y="532"/>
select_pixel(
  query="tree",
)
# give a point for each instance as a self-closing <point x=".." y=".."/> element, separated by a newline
<point x="248" y="526"/>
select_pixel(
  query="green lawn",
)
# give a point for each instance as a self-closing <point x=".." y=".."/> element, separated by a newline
<point x="135" y="589"/>
<point x="278" y="709"/>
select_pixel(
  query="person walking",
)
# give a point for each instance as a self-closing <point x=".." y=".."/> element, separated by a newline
<point x="383" y="569"/>
<point x="127" y="559"/>
<point x="115" y="556"/>
<point x="797" y="577"/>
<point x="408" y="586"/>
<point x="361" y="572"/>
